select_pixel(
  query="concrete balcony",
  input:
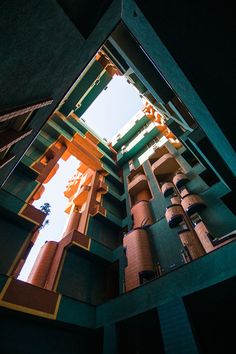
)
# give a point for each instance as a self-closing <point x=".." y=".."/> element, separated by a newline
<point x="138" y="183"/>
<point x="174" y="215"/>
<point x="192" y="203"/>
<point x="165" y="165"/>
<point x="180" y="180"/>
<point x="167" y="189"/>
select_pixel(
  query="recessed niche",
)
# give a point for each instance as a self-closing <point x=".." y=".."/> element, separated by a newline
<point x="138" y="186"/>
<point x="164" y="166"/>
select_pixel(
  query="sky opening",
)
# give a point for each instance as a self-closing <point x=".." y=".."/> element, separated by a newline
<point x="113" y="108"/>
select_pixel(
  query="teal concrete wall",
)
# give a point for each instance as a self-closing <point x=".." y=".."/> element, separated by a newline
<point x="81" y="88"/>
<point x="110" y="345"/>
<point x="114" y="206"/>
<point x="93" y="94"/>
<point x="12" y="237"/>
<point x="106" y="233"/>
<point x="217" y="216"/>
<point x="113" y="186"/>
<point x="24" y="334"/>
<point x="83" y="278"/>
<point x="176" y="330"/>
<point x="20" y="184"/>
<point x="166" y="246"/>
<point x="203" y="272"/>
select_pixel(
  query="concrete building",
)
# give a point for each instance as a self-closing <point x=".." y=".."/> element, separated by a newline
<point x="146" y="262"/>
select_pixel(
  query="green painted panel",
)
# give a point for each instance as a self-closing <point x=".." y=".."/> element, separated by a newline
<point x="26" y="334"/>
<point x="205" y="271"/>
<point x="93" y="94"/>
<point x="70" y="308"/>
<point x="144" y="139"/>
<point x="19" y="184"/>
<point x="114" y="206"/>
<point x="78" y="125"/>
<point x="83" y="279"/>
<point x="104" y="232"/>
<point x="107" y="161"/>
<point x="81" y="88"/>
<point x="12" y="237"/>
<point x="115" y="187"/>
<point x="105" y="149"/>
<point x="10" y="202"/>
<point x="176" y="330"/>
<point x="131" y="133"/>
<point x="3" y="280"/>
<point x="166" y="246"/>
<point x="217" y="216"/>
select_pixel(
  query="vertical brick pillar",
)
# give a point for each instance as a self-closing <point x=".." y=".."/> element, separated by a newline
<point x="73" y="222"/>
<point x="41" y="267"/>
<point x="142" y="214"/>
<point x="110" y="340"/>
<point x="143" y="195"/>
<point x="139" y="256"/>
<point x="191" y="241"/>
<point x="176" y="329"/>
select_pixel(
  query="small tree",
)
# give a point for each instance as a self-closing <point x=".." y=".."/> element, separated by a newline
<point x="45" y="208"/>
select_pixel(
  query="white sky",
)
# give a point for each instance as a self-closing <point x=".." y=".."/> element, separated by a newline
<point x="113" y="108"/>
<point x="106" y="116"/>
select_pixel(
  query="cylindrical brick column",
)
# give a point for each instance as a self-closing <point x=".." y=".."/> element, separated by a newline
<point x="142" y="214"/>
<point x="73" y="222"/>
<point x="202" y="234"/>
<point x="191" y="241"/>
<point x="41" y="267"/>
<point x="143" y="195"/>
<point x="139" y="257"/>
